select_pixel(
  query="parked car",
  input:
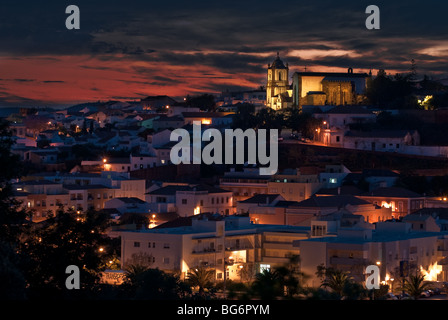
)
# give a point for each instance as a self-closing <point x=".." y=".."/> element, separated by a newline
<point x="391" y="296"/>
<point x="295" y="136"/>
<point x="425" y="294"/>
<point x="404" y="296"/>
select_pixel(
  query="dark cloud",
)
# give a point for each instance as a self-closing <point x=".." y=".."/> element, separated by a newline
<point x="233" y="37"/>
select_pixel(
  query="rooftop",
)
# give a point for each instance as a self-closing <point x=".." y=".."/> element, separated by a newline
<point x="393" y="192"/>
<point x="184" y="225"/>
<point x="262" y="198"/>
<point x="172" y="189"/>
<point x="84" y="187"/>
<point x="338" y="201"/>
<point x="132" y="200"/>
<point x="332" y="74"/>
<point x="378" y="237"/>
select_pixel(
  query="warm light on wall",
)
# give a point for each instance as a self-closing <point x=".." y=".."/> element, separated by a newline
<point x="385" y="204"/>
<point x="197" y="210"/>
<point x="432" y="272"/>
<point x="206" y="121"/>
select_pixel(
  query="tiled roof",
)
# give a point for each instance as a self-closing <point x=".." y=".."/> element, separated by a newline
<point x="393" y="192"/>
<point x="331" y="201"/>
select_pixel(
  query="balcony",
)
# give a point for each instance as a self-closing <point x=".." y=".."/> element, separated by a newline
<point x="279" y="246"/>
<point x="205" y="251"/>
<point x="268" y="259"/>
<point x="240" y="247"/>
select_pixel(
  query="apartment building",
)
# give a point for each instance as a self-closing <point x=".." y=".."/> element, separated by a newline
<point x="401" y="201"/>
<point x="292" y="184"/>
<point x="44" y="193"/>
<point x="188" y="200"/>
<point x="301" y="213"/>
<point x="353" y="249"/>
<point x="228" y="244"/>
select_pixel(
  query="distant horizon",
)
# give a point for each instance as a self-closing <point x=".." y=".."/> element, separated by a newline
<point x="176" y="48"/>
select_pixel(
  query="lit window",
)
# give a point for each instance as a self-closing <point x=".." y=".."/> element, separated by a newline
<point x="264" y="267"/>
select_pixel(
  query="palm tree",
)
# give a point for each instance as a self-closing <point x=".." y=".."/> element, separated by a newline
<point x="200" y="277"/>
<point x="337" y="280"/>
<point x="291" y="278"/>
<point x="133" y="271"/>
<point x="267" y="285"/>
<point x="415" y="285"/>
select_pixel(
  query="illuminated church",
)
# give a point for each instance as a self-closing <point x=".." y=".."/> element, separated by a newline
<point x="313" y="88"/>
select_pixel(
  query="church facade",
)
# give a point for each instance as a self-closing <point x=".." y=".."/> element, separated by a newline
<point x="278" y="89"/>
<point x="313" y="88"/>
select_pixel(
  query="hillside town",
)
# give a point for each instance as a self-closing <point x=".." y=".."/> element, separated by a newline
<point x="359" y="183"/>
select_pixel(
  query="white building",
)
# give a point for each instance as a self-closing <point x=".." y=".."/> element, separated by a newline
<point x="188" y="200"/>
<point x="381" y="140"/>
<point x="353" y="249"/>
<point x="212" y="241"/>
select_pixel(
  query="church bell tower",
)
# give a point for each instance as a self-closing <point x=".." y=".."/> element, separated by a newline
<point x="277" y="81"/>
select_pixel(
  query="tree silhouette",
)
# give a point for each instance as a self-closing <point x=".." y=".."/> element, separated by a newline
<point x="267" y="285"/>
<point x="152" y="284"/>
<point x="415" y="285"/>
<point x="67" y="238"/>
<point x="336" y="280"/>
<point x="12" y="215"/>
<point x="200" y="277"/>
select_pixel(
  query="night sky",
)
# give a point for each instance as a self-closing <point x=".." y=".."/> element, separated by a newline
<point x="135" y="48"/>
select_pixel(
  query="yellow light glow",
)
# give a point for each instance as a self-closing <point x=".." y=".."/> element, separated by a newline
<point x="206" y="121"/>
<point x="197" y="210"/>
<point x="391" y="205"/>
<point x="432" y="272"/>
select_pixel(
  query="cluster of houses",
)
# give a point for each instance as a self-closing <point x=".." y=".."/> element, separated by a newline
<point x="244" y="222"/>
<point x="258" y="224"/>
<point x="46" y="138"/>
<point x="345" y="127"/>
